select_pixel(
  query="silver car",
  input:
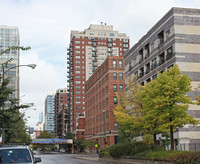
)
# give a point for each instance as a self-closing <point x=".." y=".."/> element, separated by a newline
<point x="17" y="154"/>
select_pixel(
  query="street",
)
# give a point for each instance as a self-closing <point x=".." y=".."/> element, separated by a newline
<point x="62" y="158"/>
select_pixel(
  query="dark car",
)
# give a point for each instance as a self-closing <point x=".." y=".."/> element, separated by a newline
<point x="17" y="154"/>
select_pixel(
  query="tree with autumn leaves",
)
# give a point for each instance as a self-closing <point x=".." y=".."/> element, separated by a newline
<point x="158" y="107"/>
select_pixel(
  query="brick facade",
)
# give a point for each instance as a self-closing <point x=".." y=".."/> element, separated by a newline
<point x="101" y="87"/>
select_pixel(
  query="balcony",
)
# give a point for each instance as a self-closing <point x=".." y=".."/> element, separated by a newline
<point x="147" y="70"/>
<point x="94" y="40"/>
<point x="141" y="60"/>
<point x="109" y="40"/>
<point x="169" y="56"/>
<point x="141" y="75"/>
<point x="94" y="45"/>
<point x="94" y="59"/>
<point x="94" y="49"/>
<point x="147" y="55"/>
<point x="162" y="61"/>
<point x="109" y="45"/>
<point x="94" y="54"/>
<point x="125" y="41"/>
<point x="94" y="64"/>
<point x="110" y="50"/>
<point x="160" y="44"/>
<point x="93" y="69"/>
<point x="153" y="66"/>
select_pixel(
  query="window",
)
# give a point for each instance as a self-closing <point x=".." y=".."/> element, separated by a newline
<point x="115" y="87"/>
<point x="121" y="87"/>
<point x="78" y="72"/>
<point x="114" y="75"/>
<point x="114" y="63"/>
<point x="78" y="82"/>
<point x="120" y="64"/>
<point x="120" y="76"/>
<point x="152" y="47"/>
<point x="115" y="100"/>
<point x="78" y="57"/>
<point x="78" y="97"/>
<point x="167" y="33"/>
<point x="115" y="126"/>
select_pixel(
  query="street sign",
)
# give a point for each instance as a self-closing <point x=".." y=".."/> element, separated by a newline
<point x="104" y="136"/>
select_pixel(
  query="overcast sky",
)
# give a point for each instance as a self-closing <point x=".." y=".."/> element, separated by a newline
<point x="45" y="25"/>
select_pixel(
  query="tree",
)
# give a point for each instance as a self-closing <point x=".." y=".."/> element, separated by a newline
<point x="128" y="111"/>
<point x="165" y="103"/>
<point x="46" y="134"/>
<point x="11" y="120"/>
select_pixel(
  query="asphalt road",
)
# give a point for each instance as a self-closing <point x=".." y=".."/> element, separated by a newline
<point x="61" y="158"/>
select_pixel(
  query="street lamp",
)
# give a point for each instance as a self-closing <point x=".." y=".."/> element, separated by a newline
<point x="3" y="78"/>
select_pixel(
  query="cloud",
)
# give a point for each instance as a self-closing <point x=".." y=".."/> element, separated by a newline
<point x="36" y="83"/>
<point x="45" y="25"/>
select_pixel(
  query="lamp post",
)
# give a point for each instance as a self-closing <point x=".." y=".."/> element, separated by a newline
<point x="3" y="79"/>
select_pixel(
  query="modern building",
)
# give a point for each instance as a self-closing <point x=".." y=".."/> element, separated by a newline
<point x="174" y="39"/>
<point x="101" y="99"/>
<point x="49" y="113"/>
<point x="38" y="129"/>
<point x="61" y="115"/>
<point x="87" y="50"/>
<point x="41" y="117"/>
<point x="9" y="36"/>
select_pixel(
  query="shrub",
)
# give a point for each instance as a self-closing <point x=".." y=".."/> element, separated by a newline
<point x="130" y="149"/>
<point x="186" y="158"/>
<point x="104" y="153"/>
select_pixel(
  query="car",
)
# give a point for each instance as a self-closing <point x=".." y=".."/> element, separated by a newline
<point x="17" y="154"/>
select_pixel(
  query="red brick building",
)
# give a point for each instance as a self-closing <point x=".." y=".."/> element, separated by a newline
<point x="100" y="91"/>
<point x="61" y="112"/>
<point x="87" y="50"/>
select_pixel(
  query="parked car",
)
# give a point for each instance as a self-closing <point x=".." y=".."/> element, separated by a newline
<point x="17" y="154"/>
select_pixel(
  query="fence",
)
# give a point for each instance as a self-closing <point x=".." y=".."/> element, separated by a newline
<point x="188" y="147"/>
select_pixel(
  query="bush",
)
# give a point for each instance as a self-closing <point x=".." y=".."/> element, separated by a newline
<point x="186" y="158"/>
<point x="104" y="153"/>
<point x="130" y="149"/>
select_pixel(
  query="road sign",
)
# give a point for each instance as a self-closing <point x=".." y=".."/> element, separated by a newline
<point x="104" y="136"/>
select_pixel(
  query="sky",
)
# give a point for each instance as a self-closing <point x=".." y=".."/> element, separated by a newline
<point x="45" y="26"/>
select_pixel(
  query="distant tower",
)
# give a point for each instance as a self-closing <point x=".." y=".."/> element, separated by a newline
<point x="9" y="36"/>
<point x="41" y="117"/>
<point x="49" y="112"/>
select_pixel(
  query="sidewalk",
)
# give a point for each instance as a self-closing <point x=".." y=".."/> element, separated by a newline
<point x="91" y="157"/>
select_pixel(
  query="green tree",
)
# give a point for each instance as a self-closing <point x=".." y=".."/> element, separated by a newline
<point x="165" y="103"/>
<point x="46" y="134"/>
<point x="11" y="120"/>
<point x="128" y="111"/>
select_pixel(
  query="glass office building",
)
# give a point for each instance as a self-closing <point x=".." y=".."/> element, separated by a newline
<point x="9" y="37"/>
<point x="49" y="113"/>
